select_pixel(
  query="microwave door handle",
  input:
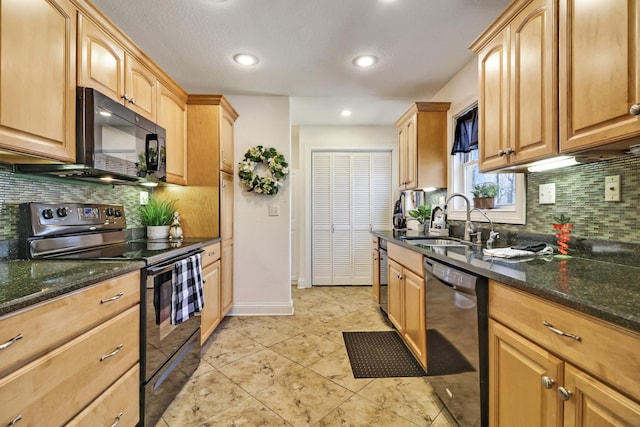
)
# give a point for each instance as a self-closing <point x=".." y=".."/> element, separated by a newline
<point x="152" y="152"/>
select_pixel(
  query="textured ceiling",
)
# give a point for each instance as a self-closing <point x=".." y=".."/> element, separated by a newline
<point x="306" y="48"/>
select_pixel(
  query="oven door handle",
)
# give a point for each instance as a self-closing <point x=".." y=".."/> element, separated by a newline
<point x="163" y="268"/>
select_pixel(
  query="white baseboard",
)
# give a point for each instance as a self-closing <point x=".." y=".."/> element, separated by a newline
<point x="266" y="309"/>
<point x="302" y="284"/>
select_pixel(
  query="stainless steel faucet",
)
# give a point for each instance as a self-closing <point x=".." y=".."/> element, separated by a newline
<point x="492" y="234"/>
<point x="468" y="226"/>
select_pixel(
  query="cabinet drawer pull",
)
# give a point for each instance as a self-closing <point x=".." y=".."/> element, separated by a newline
<point x="15" y="420"/>
<point x="113" y="298"/>
<point x="113" y="353"/>
<point x="547" y="382"/>
<point x="564" y="393"/>
<point x="11" y="341"/>
<point x="117" y="420"/>
<point x="559" y="332"/>
<point x="635" y="110"/>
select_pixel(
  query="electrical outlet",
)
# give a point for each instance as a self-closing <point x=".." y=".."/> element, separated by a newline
<point x="144" y="197"/>
<point x="274" y="210"/>
<point x="612" y="188"/>
<point x="547" y="193"/>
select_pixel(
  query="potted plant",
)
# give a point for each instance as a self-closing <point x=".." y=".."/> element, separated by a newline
<point x="422" y="214"/>
<point x="563" y="225"/>
<point x="157" y="215"/>
<point x="484" y="195"/>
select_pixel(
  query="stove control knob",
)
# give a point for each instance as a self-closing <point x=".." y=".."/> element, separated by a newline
<point x="47" y="213"/>
<point x="62" y="212"/>
<point x="117" y="213"/>
<point x="109" y="211"/>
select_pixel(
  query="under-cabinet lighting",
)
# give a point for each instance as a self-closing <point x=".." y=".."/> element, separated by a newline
<point x="149" y="184"/>
<point x="106" y="178"/>
<point x="555" y="163"/>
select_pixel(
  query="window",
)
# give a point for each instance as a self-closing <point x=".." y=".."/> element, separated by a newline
<point x="511" y="200"/>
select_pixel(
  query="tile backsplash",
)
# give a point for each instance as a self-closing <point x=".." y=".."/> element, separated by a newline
<point x="18" y="188"/>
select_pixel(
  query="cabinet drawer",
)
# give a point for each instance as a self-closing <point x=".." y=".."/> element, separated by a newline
<point x="408" y="258"/>
<point x="211" y="254"/>
<point x="59" y="384"/>
<point x="608" y="352"/>
<point x="120" y="402"/>
<point x="49" y="324"/>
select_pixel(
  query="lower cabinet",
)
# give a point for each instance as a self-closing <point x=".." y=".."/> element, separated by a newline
<point x="407" y="299"/>
<point x="211" y="313"/>
<point x="90" y="376"/>
<point x="540" y="378"/>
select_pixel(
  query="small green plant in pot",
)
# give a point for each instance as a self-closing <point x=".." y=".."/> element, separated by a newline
<point x="422" y="214"/>
<point x="484" y="195"/>
<point x="157" y="215"/>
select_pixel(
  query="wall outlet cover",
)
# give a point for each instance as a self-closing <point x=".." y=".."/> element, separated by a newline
<point x="547" y="193"/>
<point x="144" y="197"/>
<point x="612" y="188"/>
<point x="274" y="210"/>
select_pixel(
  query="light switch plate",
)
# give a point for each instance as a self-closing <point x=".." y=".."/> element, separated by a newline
<point x="547" y="193"/>
<point x="612" y="188"/>
<point x="144" y="197"/>
<point x="274" y="210"/>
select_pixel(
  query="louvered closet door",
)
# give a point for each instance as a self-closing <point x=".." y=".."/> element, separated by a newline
<point x="351" y="193"/>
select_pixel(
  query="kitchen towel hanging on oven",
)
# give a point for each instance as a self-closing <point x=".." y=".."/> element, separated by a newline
<point x="186" y="297"/>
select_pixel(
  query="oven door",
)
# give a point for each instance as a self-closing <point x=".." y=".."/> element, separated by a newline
<point x="162" y="339"/>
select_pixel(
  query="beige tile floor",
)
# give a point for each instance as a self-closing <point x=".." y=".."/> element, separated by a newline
<point x="294" y="371"/>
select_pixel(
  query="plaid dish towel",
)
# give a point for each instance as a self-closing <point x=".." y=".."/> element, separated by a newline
<point x="186" y="297"/>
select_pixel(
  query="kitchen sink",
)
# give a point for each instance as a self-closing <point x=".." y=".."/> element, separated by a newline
<point x="437" y="241"/>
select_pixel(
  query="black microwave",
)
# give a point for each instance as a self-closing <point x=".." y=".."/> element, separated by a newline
<point x="113" y="144"/>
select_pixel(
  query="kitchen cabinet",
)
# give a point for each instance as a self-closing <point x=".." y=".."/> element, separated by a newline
<point x="422" y="145"/>
<point x="45" y="373"/>
<point x="210" y="317"/>
<point x="375" y="271"/>
<point x="538" y="377"/>
<point x="106" y="66"/>
<point x="172" y="116"/>
<point x="226" y="233"/>
<point x="599" y="69"/>
<point x="518" y="90"/>
<point x="407" y="304"/>
<point x="37" y="80"/>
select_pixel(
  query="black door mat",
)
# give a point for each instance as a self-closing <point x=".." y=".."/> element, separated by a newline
<point x="380" y="354"/>
<point x="443" y="358"/>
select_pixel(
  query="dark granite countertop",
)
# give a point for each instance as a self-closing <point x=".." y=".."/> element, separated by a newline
<point x="27" y="282"/>
<point x="603" y="284"/>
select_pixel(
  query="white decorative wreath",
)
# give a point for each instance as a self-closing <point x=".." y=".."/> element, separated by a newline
<point x="273" y="160"/>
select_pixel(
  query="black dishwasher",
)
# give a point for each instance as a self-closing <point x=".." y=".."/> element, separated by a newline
<point x="457" y="341"/>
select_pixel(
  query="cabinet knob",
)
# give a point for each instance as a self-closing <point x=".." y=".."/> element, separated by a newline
<point x="125" y="96"/>
<point x="501" y="153"/>
<point x="564" y="393"/>
<point x="133" y="101"/>
<point x="547" y="382"/>
<point x="635" y="109"/>
<point x="510" y="151"/>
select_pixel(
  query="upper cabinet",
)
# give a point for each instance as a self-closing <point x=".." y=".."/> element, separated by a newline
<point x="106" y="66"/>
<point x="599" y="73"/>
<point x="558" y="77"/>
<point x="517" y="101"/>
<point x="37" y="80"/>
<point x="422" y="145"/>
<point x="172" y="116"/>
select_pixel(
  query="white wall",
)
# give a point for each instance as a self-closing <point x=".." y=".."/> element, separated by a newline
<point x="262" y="282"/>
<point x="332" y="138"/>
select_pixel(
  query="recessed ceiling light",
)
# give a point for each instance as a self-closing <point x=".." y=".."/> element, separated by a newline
<point x="245" y="59"/>
<point x="345" y="113"/>
<point x="364" y="61"/>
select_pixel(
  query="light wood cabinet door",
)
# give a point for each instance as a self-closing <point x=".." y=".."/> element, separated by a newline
<point x="173" y="118"/>
<point x="395" y="294"/>
<point x="592" y="403"/>
<point x="375" y="275"/>
<point x="227" y="120"/>
<point x="415" y="331"/>
<point x="140" y="88"/>
<point x="408" y="153"/>
<point x="226" y="206"/>
<point x="517" y="396"/>
<point x="599" y="72"/>
<point x="533" y="84"/>
<point x="38" y="78"/>
<point x="211" y="292"/>
<point x="101" y="61"/>
<point x="226" y="273"/>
